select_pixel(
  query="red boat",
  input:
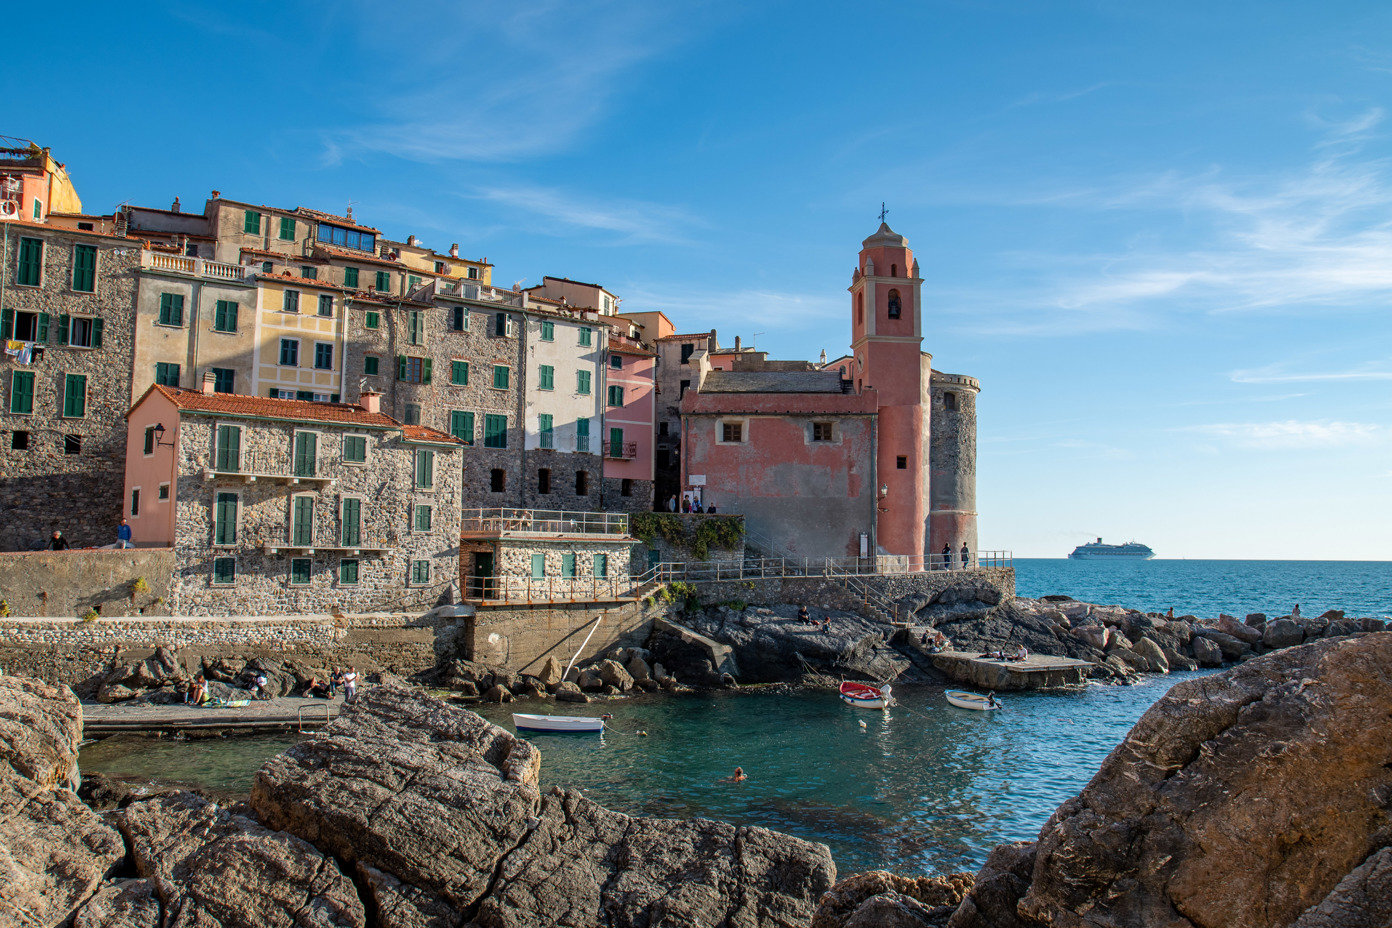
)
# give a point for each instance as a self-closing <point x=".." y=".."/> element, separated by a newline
<point x="866" y="696"/>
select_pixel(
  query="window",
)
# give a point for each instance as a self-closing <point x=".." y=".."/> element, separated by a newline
<point x="350" y="279"/>
<point x="462" y="426"/>
<point x="19" y="441"/>
<point x="309" y="273"/>
<point x="544" y="426"/>
<point x="300" y="571"/>
<point x="821" y="431"/>
<point x="500" y="377"/>
<point x="350" y="522"/>
<point x="325" y="305"/>
<point x="616" y="443"/>
<point x="901" y="463"/>
<point x="413" y="370"/>
<point x="616" y="362"/>
<point x="355" y="449"/>
<point x="252" y="222"/>
<point x="546" y="377"/>
<point x="302" y="521"/>
<point x="894" y="270"/>
<point x="415" y="328"/>
<point x="74" y="396"/>
<point x="383" y="283"/>
<point x="267" y="267"/>
<point x="950" y="401"/>
<point x="497" y="480"/>
<point x="586" y="336"/>
<point x="224" y="570"/>
<point x="306" y="395"/>
<point x="425" y="469"/>
<point x="135" y="501"/>
<point x="601" y="565"/>
<point x="164" y="491"/>
<point x="544" y="481"/>
<point x="287" y="229"/>
<point x="278" y="394"/>
<point x="582" y="483"/>
<point x="290" y="303"/>
<point x="500" y="324"/>
<point x="538" y="566"/>
<point x="626" y="487"/>
<point x="338" y="235"/>
<point x="227" y="449"/>
<point x="224" y="380"/>
<point x="459" y="373"/>
<point x="149" y="440"/>
<point x="372" y="320"/>
<point x="895" y="307"/>
<point x="423" y="518"/>
<point x="323" y="356"/>
<point x="616" y="396"/>
<point x="582" y="435"/>
<point x="171" y="309"/>
<point x="548" y="331"/>
<point x="225" y="316"/>
<point x="732" y="431"/>
<point x="411" y="414"/>
<point x="441" y="269"/>
<point x="38" y="208"/>
<point x="290" y="352"/>
<point x="459" y="319"/>
<point x="84" y="272"/>
<point x="72" y="444"/>
<point x="568" y="565"/>
<point x="370" y="365"/>
<point x="412" y="282"/>
<point x="420" y="573"/>
<point x="24" y="327"/>
<point x="473" y="273"/>
<point x="494" y="431"/>
<point x="685" y="385"/>
<point x="662" y="428"/>
<point x="306" y="454"/>
<point x="686" y="351"/>
<point x="582" y="382"/>
<point x="22" y="392"/>
<point x="166" y="374"/>
<point x="190" y="248"/>
<point x="225" y="519"/>
<point x="348" y="571"/>
<point x="30" y="262"/>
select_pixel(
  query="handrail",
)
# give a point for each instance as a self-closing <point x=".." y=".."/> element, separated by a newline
<point x="544" y="521"/>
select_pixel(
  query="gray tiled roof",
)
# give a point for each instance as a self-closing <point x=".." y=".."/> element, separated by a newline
<point x="772" y="382"/>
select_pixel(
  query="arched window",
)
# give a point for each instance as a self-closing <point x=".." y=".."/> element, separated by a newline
<point x="860" y="309"/>
<point x="895" y="307"/>
<point x="894" y="270"/>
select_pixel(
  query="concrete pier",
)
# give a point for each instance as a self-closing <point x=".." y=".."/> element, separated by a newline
<point x="1038" y="670"/>
<point x="288" y="713"/>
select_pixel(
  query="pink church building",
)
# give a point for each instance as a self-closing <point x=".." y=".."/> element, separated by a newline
<point x="872" y="457"/>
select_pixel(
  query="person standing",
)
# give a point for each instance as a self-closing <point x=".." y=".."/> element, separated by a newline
<point x="966" y="556"/>
<point x="350" y="685"/>
<point x="672" y="503"/>
<point x="123" y="535"/>
<point x="57" y="542"/>
<point x="947" y="556"/>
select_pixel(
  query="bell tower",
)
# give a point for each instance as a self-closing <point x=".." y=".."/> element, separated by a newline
<point x="886" y="339"/>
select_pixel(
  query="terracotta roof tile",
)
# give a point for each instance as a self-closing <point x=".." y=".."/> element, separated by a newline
<point x="336" y="220"/>
<point x="423" y="433"/>
<point x="696" y="335"/>
<point x="362" y="257"/>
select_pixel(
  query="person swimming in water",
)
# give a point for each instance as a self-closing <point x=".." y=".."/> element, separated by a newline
<point x="737" y="777"/>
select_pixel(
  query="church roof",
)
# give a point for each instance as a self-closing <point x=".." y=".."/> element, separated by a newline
<point x="885" y="237"/>
<point x="718" y="381"/>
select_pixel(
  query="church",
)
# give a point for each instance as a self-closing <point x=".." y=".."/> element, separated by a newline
<point x="871" y="456"/>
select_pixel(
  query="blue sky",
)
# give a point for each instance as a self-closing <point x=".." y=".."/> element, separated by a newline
<point x="1160" y="233"/>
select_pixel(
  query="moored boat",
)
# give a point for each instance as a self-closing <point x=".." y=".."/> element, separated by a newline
<point x="556" y="723"/>
<point x="964" y="700"/>
<point x="865" y="696"/>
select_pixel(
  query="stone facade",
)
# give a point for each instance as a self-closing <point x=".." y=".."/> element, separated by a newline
<point x="61" y="459"/>
<point x="514" y="577"/>
<point x="952" y="463"/>
<point x="623" y="494"/>
<point x="829" y="593"/>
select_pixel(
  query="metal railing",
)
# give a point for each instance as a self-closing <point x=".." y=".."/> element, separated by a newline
<point x="544" y="521"/>
<point x="621" y="451"/>
<point x="777" y="567"/>
<point x="276" y="465"/>
<point x="558" y="589"/>
<point x="322" y="540"/>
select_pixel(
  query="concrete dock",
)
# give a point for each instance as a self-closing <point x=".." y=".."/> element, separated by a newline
<point x="1038" y="670"/>
<point x="288" y="713"/>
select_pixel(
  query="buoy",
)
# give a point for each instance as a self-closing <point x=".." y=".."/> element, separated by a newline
<point x="862" y="723"/>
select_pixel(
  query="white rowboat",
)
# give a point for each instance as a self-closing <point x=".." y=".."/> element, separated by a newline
<point x="561" y="723"/>
<point x="964" y="700"/>
<point x="865" y="696"/>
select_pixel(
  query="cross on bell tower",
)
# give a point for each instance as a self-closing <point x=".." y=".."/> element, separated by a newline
<point x="883" y="212"/>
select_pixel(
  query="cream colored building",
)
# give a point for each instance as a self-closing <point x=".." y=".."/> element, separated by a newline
<point x="300" y="339"/>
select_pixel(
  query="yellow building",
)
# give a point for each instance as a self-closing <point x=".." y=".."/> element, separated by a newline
<point x="426" y="262"/>
<point x="300" y="338"/>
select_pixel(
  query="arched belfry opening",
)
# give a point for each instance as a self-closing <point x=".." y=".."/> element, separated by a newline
<point x="896" y="307"/>
<point x="894" y="270"/>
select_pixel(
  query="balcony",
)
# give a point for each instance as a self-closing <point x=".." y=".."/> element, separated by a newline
<point x="473" y="290"/>
<point x="513" y="522"/>
<point x="278" y="468"/>
<point x="195" y="267"/>
<point x="621" y="451"/>
<point x="363" y="546"/>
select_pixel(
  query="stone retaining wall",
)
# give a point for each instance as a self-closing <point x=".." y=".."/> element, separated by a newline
<point x="65" y="584"/>
<point x="830" y="593"/>
<point x="521" y="638"/>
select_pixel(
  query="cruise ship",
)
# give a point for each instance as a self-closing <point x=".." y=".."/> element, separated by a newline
<point x="1096" y="549"/>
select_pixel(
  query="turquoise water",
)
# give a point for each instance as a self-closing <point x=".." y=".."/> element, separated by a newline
<point x="1206" y="588"/>
<point x="222" y="767"/>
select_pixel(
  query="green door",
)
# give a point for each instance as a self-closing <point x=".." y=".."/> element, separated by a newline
<point x="481" y="583"/>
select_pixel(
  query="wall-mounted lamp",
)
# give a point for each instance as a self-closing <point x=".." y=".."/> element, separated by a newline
<point x="884" y="492"/>
<point x="159" y="434"/>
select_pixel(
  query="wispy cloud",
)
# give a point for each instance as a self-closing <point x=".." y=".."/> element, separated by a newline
<point x="553" y="211"/>
<point x="1292" y="434"/>
<point x="1278" y="374"/>
<point x="1039" y="97"/>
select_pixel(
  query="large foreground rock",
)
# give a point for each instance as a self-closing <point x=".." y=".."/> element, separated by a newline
<point x="441" y="812"/>
<point x="1239" y="800"/>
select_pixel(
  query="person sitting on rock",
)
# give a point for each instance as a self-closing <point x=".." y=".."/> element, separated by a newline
<point x="1021" y="654"/>
<point x="804" y="616"/>
<point x="198" y="695"/>
<point x="1295" y="611"/>
<point x="317" y="689"/>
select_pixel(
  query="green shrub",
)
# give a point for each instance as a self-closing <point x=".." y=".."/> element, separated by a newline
<point x="137" y="587"/>
<point x="91" y="615"/>
<point x="4" y="608"/>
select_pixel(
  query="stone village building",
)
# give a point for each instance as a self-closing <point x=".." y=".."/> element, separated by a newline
<point x="287" y="506"/>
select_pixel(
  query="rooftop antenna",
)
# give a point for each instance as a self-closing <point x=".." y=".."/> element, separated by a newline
<point x="754" y="339"/>
<point x="350" y="208"/>
<point x="883" y="212"/>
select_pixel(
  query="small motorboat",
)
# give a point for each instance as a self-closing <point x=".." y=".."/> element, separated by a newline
<point x="558" y="723"/>
<point x="865" y="696"/>
<point x="964" y="700"/>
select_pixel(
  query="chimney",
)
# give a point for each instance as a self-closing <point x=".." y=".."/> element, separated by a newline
<point x="209" y="383"/>
<point x="454" y="250"/>
<point x="175" y="207"/>
<point x="411" y="241"/>
<point x="370" y="401"/>
<point x="714" y="342"/>
<point x="217" y="194"/>
<point x="737" y="343"/>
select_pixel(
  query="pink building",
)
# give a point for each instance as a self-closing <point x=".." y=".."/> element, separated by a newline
<point x="873" y="456"/>
<point x="630" y="414"/>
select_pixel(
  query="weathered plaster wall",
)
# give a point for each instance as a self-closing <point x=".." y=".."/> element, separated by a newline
<point x="522" y="639"/>
<point x="65" y="584"/>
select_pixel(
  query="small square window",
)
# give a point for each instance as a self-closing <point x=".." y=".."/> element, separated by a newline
<point x="224" y="570"/>
<point x="309" y="273"/>
<point x="459" y="373"/>
<point x="323" y="356"/>
<point x="412" y="414"/>
<point x="164" y="491"/>
<point x="582" y="483"/>
<point x="290" y="352"/>
<point x="72" y="444"/>
<point x="372" y="320"/>
<point x="498" y="478"/>
<point x="370" y="363"/>
<point x="291" y="301"/>
<point x="821" y="431"/>
<point x="501" y="376"/>
<point x="420" y="573"/>
<point x="166" y="374"/>
<point x="901" y="462"/>
<point x="300" y="571"/>
<point x="355" y="449"/>
<point x="224" y="380"/>
<point x="347" y="572"/>
<point x="459" y="319"/>
<point x="267" y="267"/>
<point x="19" y="441"/>
<point x="616" y="362"/>
<point x="586" y="336"/>
<point x="626" y="487"/>
<point x="732" y="431"/>
<point x="287" y="229"/>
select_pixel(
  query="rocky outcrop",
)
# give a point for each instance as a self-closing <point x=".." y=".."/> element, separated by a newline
<point x="443" y="802"/>
<point x="1256" y="798"/>
<point x="879" y="899"/>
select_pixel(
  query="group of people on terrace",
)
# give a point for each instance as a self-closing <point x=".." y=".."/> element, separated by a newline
<point x="947" y="557"/>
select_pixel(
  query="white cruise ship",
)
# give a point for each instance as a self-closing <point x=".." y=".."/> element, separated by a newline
<point x="1097" y="550"/>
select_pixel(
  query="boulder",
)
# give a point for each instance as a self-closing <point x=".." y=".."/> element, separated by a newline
<point x="550" y="672"/>
<point x="1373" y="625"/>
<point x="569" y="692"/>
<point x="609" y="690"/>
<point x="497" y="693"/>
<point x="1178" y="661"/>
<point x="878" y="897"/>
<point x="590" y="681"/>
<point x="1002" y="880"/>
<point x="1332" y="615"/>
<point x="659" y="673"/>
<point x="1242" y="799"/>
<point x="1117" y="641"/>
<point x="127" y="904"/>
<point x="1094" y="636"/>
<point x="1206" y="653"/>
<point x="1341" y="628"/>
<point x="447" y="803"/>
<point x="399" y="905"/>
<point x="638" y="669"/>
<point x="1230" y="626"/>
<point x="40" y="729"/>
<point x="1256" y="619"/>
<point x="115" y="692"/>
<point x="614" y="674"/>
<point x="1283" y="633"/>
<point x="1233" y="648"/>
<point x="1153" y="655"/>
<point x="1137" y="662"/>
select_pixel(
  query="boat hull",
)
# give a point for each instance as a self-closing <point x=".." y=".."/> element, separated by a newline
<point x="878" y="703"/>
<point x="556" y="723"/>
<point x="964" y="700"/>
<point x="865" y="696"/>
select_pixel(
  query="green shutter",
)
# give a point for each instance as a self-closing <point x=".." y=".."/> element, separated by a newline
<point x="30" y="262"/>
<point x="538" y="566"/>
<point x="401" y="367"/>
<point x="355" y="449"/>
<point x="462" y="426"/>
<point x="97" y="332"/>
<point x="425" y="370"/>
<point x="616" y="443"/>
<point x="372" y="320"/>
<point x="348" y="572"/>
<point x="459" y="373"/>
<point x="425" y="468"/>
<point x="225" y="532"/>
<point x="350" y="280"/>
<point x="300" y="570"/>
<point x="22" y="392"/>
<point x="582" y="382"/>
<point x="251" y="222"/>
<point x="84" y="268"/>
<point x="224" y="569"/>
<point x="303" y="521"/>
<point x="352" y="522"/>
<point x="228" y="455"/>
<point x="6" y="324"/>
<point x="547" y="377"/>
<point x="63" y="327"/>
<point x="75" y="396"/>
<point x="601" y="565"/>
<point x="423" y="518"/>
<point x="567" y="565"/>
<point x="287" y="229"/>
<point x="494" y="431"/>
<point x="306" y="454"/>
<point x="548" y="331"/>
<point x="41" y="336"/>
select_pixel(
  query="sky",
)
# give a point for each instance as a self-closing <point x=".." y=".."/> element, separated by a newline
<point x="1159" y="233"/>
